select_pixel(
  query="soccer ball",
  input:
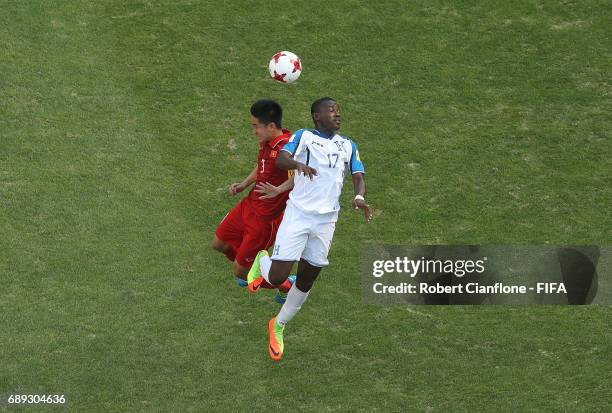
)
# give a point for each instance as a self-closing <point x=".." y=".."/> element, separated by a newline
<point x="285" y="67"/>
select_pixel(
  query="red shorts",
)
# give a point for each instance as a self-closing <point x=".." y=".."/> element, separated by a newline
<point x="246" y="232"/>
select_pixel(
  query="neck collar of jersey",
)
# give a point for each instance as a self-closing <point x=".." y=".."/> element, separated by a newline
<point x="322" y="135"/>
<point x="272" y="143"/>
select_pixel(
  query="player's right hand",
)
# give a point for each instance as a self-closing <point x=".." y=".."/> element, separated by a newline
<point x="267" y="190"/>
<point x="236" y="188"/>
<point x="306" y="170"/>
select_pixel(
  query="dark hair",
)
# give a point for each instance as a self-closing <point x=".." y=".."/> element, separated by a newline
<point x="316" y="105"/>
<point x="268" y="111"/>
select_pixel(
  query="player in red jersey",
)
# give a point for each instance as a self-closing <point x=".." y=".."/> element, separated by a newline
<point x="252" y="224"/>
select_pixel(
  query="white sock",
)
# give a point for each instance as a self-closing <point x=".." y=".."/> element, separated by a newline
<point x="264" y="265"/>
<point x="295" y="299"/>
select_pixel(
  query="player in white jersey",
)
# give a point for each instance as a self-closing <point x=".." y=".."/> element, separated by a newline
<point x="321" y="158"/>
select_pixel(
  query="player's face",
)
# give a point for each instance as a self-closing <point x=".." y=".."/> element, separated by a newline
<point x="329" y="117"/>
<point x="262" y="131"/>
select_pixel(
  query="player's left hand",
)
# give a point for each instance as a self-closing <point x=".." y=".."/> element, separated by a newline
<point x="361" y="204"/>
<point x="236" y="188"/>
<point x="267" y="190"/>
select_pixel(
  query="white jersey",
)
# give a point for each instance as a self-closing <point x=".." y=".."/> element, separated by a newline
<point x="331" y="157"/>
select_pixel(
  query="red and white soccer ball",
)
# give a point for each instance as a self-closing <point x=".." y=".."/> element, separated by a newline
<point x="285" y="67"/>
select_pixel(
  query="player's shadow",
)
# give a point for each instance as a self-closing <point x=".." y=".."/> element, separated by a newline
<point x="579" y="273"/>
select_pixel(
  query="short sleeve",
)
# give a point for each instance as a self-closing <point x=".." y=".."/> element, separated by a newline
<point x="294" y="142"/>
<point x="356" y="164"/>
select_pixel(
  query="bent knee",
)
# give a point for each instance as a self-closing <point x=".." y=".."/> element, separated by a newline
<point x="218" y="245"/>
<point x="276" y="279"/>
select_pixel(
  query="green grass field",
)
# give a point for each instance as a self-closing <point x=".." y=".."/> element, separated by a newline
<point x="123" y="123"/>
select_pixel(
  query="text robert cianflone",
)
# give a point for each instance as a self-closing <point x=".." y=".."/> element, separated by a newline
<point x="469" y="288"/>
<point x="427" y="266"/>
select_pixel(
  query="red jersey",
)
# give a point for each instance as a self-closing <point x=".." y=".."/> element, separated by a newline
<point x="267" y="172"/>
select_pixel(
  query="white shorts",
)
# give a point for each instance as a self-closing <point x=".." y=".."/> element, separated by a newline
<point x="304" y="235"/>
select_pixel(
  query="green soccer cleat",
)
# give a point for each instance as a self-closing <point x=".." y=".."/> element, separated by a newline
<point x="254" y="277"/>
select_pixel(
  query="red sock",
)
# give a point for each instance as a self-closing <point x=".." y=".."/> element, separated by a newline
<point x="285" y="286"/>
<point x="265" y="284"/>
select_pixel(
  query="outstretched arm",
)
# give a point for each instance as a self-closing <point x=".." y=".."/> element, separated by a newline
<point x="360" y="191"/>
<point x="238" y="187"/>
<point x="286" y="162"/>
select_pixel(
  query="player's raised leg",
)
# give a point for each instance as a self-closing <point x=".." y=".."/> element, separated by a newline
<point x="290" y="241"/>
<point x="262" y="269"/>
<point x="255" y="280"/>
